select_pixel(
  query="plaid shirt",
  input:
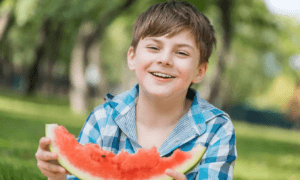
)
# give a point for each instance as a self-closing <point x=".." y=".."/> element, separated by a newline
<point x="112" y="126"/>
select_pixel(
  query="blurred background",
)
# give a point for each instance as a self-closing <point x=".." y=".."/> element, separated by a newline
<point x="58" y="59"/>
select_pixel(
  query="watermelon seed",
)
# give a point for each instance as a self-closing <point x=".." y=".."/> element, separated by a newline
<point x="103" y="156"/>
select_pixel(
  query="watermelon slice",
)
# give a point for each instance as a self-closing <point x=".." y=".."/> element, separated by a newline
<point x="91" y="162"/>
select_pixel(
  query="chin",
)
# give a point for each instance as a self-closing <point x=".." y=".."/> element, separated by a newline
<point x="155" y="90"/>
<point x="162" y="92"/>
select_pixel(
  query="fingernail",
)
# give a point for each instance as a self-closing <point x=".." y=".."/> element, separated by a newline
<point x="168" y="170"/>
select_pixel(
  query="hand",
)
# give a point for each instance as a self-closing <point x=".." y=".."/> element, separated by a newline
<point x="175" y="175"/>
<point x="47" y="161"/>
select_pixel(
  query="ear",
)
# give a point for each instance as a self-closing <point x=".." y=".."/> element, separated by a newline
<point x="200" y="73"/>
<point x="131" y="58"/>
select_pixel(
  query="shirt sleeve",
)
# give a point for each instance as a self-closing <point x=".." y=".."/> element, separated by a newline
<point x="71" y="177"/>
<point x="219" y="159"/>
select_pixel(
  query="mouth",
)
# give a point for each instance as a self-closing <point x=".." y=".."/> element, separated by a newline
<point x="162" y="75"/>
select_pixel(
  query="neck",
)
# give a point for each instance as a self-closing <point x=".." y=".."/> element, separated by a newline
<point x="156" y="112"/>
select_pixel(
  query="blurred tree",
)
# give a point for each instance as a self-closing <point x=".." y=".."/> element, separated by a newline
<point x="247" y="33"/>
<point x="45" y="32"/>
<point x="225" y="7"/>
<point x="48" y="51"/>
<point x="86" y="40"/>
<point x="5" y="17"/>
<point x="82" y="35"/>
<point x="293" y="114"/>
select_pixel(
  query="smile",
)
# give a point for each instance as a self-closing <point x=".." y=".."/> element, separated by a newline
<point x="161" y="75"/>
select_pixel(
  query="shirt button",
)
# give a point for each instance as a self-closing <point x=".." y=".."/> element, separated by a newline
<point x="199" y="126"/>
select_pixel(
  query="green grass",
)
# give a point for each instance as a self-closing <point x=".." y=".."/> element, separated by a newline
<point x="263" y="152"/>
<point x="266" y="153"/>
<point x="22" y="124"/>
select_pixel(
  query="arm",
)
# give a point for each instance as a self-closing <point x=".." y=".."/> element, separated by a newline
<point x="63" y="178"/>
<point x="218" y="161"/>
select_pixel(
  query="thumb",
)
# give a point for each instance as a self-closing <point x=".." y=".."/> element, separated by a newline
<point x="175" y="175"/>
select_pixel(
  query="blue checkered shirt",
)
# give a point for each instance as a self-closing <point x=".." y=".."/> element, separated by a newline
<point x="112" y="126"/>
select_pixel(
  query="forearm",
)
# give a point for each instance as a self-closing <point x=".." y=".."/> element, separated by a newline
<point x="61" y="178"/>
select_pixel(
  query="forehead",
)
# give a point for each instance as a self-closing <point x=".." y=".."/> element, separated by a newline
<point x="183" y="38"/>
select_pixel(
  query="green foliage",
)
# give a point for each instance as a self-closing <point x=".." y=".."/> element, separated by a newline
<point x="256" y="34"/>
<point x="23" y="41"/>
<point x="201" y="5"/>
<point x="261" y="46"/>
<point x="7" y="5"/>
<point x="25" y="10"/>
<point x="255" y="31"/>
<point x="30" y="15"/>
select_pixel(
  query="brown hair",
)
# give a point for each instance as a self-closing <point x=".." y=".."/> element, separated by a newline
<point x="171" y="18"/>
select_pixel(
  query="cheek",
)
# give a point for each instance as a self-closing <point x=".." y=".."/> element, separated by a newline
<point x="186" y="76"/>
<point x="186" y="71"/>
<point x="141" y="70"/>
<point x="145" y="56"/>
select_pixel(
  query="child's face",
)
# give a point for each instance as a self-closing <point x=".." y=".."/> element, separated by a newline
<point x="166" y="66"/>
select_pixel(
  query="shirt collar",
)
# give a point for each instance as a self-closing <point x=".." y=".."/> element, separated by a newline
<point x="191" y="125"/>
<point x="199" y="113"/>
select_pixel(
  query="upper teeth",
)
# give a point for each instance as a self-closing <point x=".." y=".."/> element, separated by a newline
<point x="161" y="75"/>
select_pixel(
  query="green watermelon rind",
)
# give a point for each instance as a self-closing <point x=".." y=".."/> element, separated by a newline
<point x="188" y="166"/>
<point x="192" y="163"/>
<point x="184" y="168"/>
<point x="63" y="161"/>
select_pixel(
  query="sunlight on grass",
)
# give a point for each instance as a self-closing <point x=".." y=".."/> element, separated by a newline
<point x="266" y="152"/>
<point x="267" y="132"/>
<point x="45" y="112"/>
<point x="4" y="143"/>
<point x="15" y="168"/>
<point x="22" y="125"/>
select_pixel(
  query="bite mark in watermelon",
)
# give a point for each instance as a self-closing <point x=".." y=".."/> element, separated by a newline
<point x="91" y="162"/>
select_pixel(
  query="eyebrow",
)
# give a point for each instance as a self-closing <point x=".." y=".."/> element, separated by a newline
<point x="179" y="45"/>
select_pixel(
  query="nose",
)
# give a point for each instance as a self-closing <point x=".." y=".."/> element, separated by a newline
<point x="165" y="58"/>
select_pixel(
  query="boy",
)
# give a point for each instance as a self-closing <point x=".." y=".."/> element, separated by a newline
<point x="171" y="45"/>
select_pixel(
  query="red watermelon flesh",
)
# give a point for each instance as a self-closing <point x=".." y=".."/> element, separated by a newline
<point x="90" y="161"/>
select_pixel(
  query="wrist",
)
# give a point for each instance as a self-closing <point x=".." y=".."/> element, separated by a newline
<point x="60" y="178"/>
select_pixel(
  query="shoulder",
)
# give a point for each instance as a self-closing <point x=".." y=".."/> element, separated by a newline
<point x="103" y="116"/>
<point x="219" y="127"/>
<point x="208" y="111"/>
<point x="218" y="122"/>
<point x="115" y="105"/>
<point x="214" y="120"/>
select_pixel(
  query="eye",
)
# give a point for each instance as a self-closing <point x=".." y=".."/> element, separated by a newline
<point x="153" y="48"/>
<point x="182" y="53"/>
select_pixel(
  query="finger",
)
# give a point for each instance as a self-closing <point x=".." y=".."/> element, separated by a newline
<point x="175" y="175"/>
<point x="46" y="155"/>
<point x="52" y="168"/>
<point x="44" y="143"/>
<point x="54" y="162"/>
<point x="52" y="174"/>
<point x="68" y="172"/>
